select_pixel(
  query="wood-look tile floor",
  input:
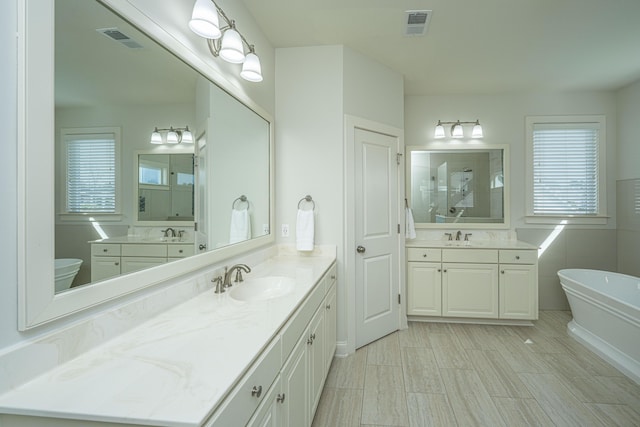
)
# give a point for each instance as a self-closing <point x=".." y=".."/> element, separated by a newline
<point x="440" y="374"/>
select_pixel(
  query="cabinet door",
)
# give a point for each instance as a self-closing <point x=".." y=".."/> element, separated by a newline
<point x="103" y="267"/>
<point x="470" y="290"/>
<point x="518" y="292"/>
<point x="424" y="289"/>
<point x="330" y="329"/>
<point x="316" y="350"/>
<point x="130" y="264"/>
<point x="268" y="413"/>
<point x="295" y="386"/>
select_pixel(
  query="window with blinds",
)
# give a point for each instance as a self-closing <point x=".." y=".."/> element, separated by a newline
<point x="91" y="173"/>
<point x="566" y="174"/>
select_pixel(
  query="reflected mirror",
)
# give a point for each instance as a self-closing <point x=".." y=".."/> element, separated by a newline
<point x="462" y="186"/>
<point x="113" y="86"/>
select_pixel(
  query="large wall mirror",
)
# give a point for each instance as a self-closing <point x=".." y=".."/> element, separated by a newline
<point x="113" y="86"/>
<point x="458" y="186"/>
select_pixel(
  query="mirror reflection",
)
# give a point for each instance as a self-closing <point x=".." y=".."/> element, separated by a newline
<point x="122" y="202"/>
<point x="457" y="186"/>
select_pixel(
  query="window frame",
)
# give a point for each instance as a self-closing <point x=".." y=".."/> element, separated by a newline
<point x="600" y="218"/>
<point x="63" y="214"/>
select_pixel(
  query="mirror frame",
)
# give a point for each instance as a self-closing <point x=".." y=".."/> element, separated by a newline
<point x="136" y="195"/>
<point x="37" y="302"/>
<point x="506" y="200"/>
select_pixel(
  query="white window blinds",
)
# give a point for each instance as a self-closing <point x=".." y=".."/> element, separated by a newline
<point x="565" y="169"/>
<point x="91" y="173"/>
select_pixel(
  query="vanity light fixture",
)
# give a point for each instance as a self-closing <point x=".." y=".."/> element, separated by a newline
<point x="173" y="136"/>
<point x="456" y="129"/>
<point x="226" y="42"/>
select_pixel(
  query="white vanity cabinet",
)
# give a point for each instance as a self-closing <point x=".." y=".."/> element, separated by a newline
<point x="479" y="283"/>
<point x="112" y="259"/>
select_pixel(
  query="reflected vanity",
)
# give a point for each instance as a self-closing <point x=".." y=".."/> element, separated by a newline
<point x="134" y="87"/>
<point x="462" y="185"/>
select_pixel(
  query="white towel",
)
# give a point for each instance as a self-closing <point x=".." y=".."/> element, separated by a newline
<point x="305" y="230"/>
<point x="240" y="229"/>
<point x="409" y="226"/>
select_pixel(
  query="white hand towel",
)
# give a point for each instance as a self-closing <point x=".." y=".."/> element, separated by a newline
<point x="240" y="229"/>
<point x="410" y="227"/>
<point x="305" y="230"/>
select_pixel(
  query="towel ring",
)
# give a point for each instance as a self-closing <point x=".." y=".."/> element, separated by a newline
<point x="307" y="198"/>
<point x="241" y="199"/>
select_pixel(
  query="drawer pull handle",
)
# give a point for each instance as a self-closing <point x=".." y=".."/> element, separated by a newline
<point x="424" y="255"/>
<point x="502" y="272"/>
<point x="180" y="251"/>
<point x="439" y="270"/>
<point x="117" y="263"/>
<point x="328" y="307"/>
<point x="256" y="391"/>
<point x="105" y="250"/>
<point x="445" y="270"/>
<point x="517" y="256"/>
<point x="280" y="398"/>
<point x="333" y="277"/>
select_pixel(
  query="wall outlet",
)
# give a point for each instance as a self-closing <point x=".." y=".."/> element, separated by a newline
<point x="285" y="230"/>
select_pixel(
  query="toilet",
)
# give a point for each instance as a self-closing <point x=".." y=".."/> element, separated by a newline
<point x="65" y="271"/>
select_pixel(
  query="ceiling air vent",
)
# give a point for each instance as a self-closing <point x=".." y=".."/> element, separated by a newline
<point x="120" y="37"/>
<point x="416" y="22"/>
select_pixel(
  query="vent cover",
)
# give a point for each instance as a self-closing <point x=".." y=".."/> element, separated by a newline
<point x="416" y="22"/>
<point x="117" y="35"/>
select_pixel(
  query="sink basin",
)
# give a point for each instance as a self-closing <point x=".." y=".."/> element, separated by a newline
<point x="464" y="243"/>
<point x="262" y="288"/>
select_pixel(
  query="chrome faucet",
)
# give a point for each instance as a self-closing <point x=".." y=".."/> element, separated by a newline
<point x="169" y="229"/>
<point x="458" y="234"/>
<point x="226" y="283"/>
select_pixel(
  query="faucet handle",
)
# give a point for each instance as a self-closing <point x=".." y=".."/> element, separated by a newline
<point x="466" y="236"/>
<point x="218" y="281"/>
<point x="450" y="236"/>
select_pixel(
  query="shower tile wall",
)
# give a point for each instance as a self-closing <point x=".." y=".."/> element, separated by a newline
<point x="572" y="248"/>
<point x="628" y="220"/>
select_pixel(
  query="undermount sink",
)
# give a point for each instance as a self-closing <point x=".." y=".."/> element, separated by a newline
<point x="262" y="288"/>
<point x="464" y="243"/>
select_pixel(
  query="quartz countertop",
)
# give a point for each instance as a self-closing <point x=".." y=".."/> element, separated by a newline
<point x="471" y="244"/>
<point x="143" y="240"/>
<point x="176" y="368"/>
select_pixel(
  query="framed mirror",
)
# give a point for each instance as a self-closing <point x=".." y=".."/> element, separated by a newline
<point x="459" y="186"/>
<point x="117" y="93"/>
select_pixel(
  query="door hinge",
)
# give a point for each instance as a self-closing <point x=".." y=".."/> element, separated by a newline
<point x="398" y="298"/>
<point x="195" y="226"/>
<point x="398" y="228"/>
<point x="398" y="157"/>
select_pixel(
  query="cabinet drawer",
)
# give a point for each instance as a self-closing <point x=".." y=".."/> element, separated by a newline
<point x="423" y="254"/>
<point x="105" y="249"/>
<point x="470" y="255"/>
<point x="179" y="251"/>
<point x="144" y="250"/>
<point x="240" y="405"/>
<point x="514" y="256"/>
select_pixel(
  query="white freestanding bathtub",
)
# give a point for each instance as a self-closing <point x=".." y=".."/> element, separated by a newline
<point x="606" y="315"/>
<point x="65" y="271"/>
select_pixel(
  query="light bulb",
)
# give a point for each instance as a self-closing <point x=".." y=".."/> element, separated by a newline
<point x="231" y="49"/>
<point x="156" y="137"/>
<point x="204" y="20"/>
<point x="251" y="69"/>
<point x="439" y="130"/>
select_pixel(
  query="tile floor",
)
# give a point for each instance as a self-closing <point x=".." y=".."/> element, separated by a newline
<point x="440" y="374"/>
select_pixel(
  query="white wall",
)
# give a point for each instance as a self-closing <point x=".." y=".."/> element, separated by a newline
<point x="502" y="118"/>
<point x="628" y="185"/>
<point x="173" y="16"/>
<point x="315" y="88"/>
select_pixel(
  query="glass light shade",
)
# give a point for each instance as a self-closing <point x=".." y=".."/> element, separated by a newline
<point x="172" y="137"/>
<point x="439" y="130"/>
<point x="156" y="137"/>
<point x="187" y="136"/>
<point x="251" y="69"/>
<point x="204" y="20"/>
<point x="456" y="131"/>
<point x="477" y="131"/>
<point x="231" y="49"/>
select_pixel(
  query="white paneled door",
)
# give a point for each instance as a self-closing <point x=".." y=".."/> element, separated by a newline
<point x="376" y="235"/>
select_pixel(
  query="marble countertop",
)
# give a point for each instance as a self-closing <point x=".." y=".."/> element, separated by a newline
<point x="176" y="368"/>
<point x="471" y="244"/>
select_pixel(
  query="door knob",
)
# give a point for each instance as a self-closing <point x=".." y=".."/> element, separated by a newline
<point x="361" y="249"/>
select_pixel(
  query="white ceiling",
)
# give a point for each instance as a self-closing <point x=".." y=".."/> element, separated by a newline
<point x="473" y="46"/>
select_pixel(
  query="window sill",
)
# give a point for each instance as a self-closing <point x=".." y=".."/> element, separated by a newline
<point x="566" y="220"/>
